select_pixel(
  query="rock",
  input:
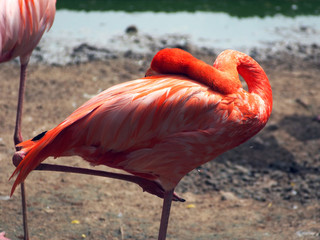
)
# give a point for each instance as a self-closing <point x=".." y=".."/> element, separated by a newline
<point x="228" y="196"/>
<point x="131" y="29"/>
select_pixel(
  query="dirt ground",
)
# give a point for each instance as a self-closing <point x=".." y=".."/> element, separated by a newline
<point x="268" y="188"/>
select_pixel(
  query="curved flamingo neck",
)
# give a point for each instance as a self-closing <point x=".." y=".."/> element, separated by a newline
<point x="177" y="61"/>
<point x="250" y="70"/>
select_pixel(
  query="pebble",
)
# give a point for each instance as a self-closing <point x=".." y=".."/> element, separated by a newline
<point x="228" y="196"/>
<point x="131" y="29"/>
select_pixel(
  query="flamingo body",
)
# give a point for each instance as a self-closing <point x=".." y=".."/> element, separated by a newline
<point x="22" y="24"/>
<point x="164" y="125"/>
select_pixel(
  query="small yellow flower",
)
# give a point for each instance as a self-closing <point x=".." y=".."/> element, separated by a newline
<point x="75" y="222"/>
<point x="191" y="206"/>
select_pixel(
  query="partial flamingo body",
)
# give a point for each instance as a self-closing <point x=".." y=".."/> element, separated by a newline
<point x="2" y="236"/>
<point x="22" y="24"/>
<point x="182" y="115"/>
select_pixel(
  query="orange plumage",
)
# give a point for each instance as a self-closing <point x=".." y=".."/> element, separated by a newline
<point x="184" y="114"/>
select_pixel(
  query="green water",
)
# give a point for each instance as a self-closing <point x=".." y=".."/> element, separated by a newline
<point x="238" y="8"/>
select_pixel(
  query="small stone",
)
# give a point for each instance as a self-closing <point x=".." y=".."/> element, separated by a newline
<point x="228" y="196"/>
<point x="131" y="29"/>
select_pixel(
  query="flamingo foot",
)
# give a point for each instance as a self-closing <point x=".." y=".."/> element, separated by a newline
<point x="156" y="189"/>
<point x="2" y="236"/>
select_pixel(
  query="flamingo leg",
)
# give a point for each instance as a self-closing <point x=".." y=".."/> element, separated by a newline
<point x="24" y="212"/>
<point x="149" y="186"/>
<point x="17" y="137"/>
<point x="17" y="131"/>
<point x="168" y="195"/>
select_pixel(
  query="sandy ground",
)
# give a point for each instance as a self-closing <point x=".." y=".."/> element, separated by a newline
<point x="267" y="188"/>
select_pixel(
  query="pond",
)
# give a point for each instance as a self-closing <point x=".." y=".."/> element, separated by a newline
<point x="240" y="25"/>
<point x="237" y="8"/>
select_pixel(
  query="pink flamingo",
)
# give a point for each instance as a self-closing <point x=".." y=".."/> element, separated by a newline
<point x="22" y="24"/>
<point x="184" y="113"/>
